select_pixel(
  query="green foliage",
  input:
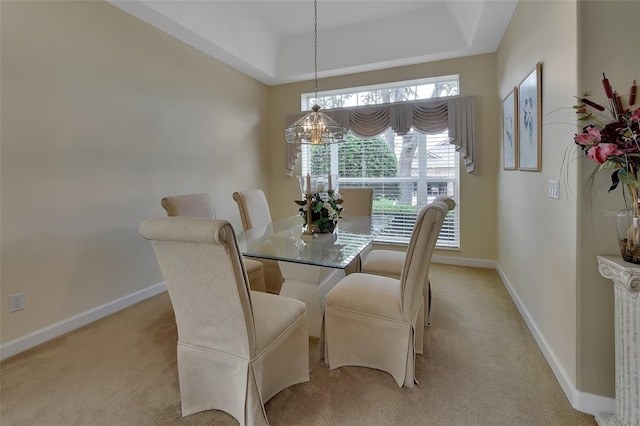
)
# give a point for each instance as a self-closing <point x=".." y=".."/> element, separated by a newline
<point x="357" y="158"/>
<point x="389" y="206"/>
<point x="366" y="158"/>
<point x="320" y="159"/>
<point x="628" y="178"/>
<point x="325" y="212"/>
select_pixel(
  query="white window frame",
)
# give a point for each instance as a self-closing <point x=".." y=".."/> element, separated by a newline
<point x="307" y="100"/>
<point x="450" y="236"/>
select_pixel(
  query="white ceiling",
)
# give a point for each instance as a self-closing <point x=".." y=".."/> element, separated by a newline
<point x="272" y="40"/>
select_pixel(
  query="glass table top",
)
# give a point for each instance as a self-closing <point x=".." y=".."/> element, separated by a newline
<point x="281" y="240"/>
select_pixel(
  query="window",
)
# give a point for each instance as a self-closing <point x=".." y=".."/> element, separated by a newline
<point x="406" y="172"/>
<point x="401" y="91"/>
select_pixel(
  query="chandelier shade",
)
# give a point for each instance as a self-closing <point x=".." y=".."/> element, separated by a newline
<point x="315" y="128"/>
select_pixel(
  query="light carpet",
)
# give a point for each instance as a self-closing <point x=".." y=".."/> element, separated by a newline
<point x="481" y="366"/>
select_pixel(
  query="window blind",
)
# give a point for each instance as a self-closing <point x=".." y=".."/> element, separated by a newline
<point x="405" y="172"/>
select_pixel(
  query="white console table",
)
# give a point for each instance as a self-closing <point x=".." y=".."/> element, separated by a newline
<point x="626" y="280"/>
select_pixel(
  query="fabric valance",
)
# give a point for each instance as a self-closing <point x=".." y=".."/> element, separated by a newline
<point x="429" y="116"/>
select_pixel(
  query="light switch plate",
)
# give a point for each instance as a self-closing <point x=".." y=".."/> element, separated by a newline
<point x="554" y="189"/>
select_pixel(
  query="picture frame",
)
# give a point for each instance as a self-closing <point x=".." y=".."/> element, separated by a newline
<point x="529" y="121"/>
<point x="510" y="131"/>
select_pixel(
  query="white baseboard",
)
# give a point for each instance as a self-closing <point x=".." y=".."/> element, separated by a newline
<point x="581" y="401"/>
<point x="40" y="336"/>
<point x="464" y="261"/>
<point x="593" y="404"/>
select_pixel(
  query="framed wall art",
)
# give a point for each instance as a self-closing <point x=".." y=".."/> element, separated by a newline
<point x="510" y="131"/>
<point x="529" y="121"/>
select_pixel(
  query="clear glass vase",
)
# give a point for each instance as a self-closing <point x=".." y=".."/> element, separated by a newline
<point x="628" y="230"/>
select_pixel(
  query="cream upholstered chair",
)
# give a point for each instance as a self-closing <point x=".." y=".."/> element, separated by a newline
<point x="191" y="205"/>
<point x="253" y="208"/>
<point x="357" y="202"/>
<point x="200" y="205"/>
<point x="237" y="348"/>
<point x="389" y="263"/>
<point x="376" y="321"/>
<point x="255" y="213"/>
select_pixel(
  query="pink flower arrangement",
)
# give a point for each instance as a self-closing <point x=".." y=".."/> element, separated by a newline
<point x="602" y="151"/>
<point x="612" y="141"/>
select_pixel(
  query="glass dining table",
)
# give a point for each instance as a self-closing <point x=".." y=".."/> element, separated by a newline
<point x="283" y="241"/>
<point x="311" y="266"/>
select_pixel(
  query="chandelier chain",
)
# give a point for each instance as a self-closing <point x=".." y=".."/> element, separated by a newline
<point x="315" y="128"/>
<point x="315" y="44"/>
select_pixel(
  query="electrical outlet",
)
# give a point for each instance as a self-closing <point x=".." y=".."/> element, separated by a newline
<point x="17" y="302"/>
<point x="554" y="189"/>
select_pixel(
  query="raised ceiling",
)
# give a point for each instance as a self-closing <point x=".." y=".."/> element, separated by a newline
<point x="272" y="41"/>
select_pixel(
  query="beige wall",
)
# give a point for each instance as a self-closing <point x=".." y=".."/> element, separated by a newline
<point x="547" y="248"/>
<point x="103" y="115"/>
<point x="477" y="193"/>
<point x="536" y="234"/>
<point x="606" y="45"/>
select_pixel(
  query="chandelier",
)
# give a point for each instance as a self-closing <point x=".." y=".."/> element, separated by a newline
<point x="315" y="128"/>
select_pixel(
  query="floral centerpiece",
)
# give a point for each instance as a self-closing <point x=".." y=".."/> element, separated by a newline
<point x="325" y="211"/>
<point x="611" y="138"/>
